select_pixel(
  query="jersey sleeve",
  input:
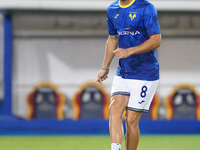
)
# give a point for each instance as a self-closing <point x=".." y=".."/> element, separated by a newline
<point x="151" y="20"/>
<point x="111" y="27"/>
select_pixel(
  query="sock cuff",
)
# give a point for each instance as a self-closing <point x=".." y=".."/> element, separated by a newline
<point x="115" y="146"/>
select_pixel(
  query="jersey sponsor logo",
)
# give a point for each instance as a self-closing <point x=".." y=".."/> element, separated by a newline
<point x="116" y="16"/>
<point x="127" y="31"/>
<point x="132" y="16"/>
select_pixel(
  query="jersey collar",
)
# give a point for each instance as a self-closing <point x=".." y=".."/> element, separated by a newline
<point x="126" y="5"/>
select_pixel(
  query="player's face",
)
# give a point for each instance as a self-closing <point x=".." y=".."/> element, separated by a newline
<point x="126" y="1"/>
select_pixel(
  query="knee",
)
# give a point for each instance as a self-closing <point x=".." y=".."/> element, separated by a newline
<point x="132" y="121"/>
<point x="115" y="110"/>
<point x="112" y="109"/>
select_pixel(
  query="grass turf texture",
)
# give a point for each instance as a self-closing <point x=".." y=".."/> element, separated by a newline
<point x="187" y="142"/>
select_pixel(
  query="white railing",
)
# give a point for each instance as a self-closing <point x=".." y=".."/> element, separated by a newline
<point x="100" y="5"/>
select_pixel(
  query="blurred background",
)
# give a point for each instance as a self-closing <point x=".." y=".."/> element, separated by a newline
<point x="52" y="50"/>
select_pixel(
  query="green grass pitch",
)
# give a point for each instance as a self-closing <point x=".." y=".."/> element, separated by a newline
<point x="179" y="142"/>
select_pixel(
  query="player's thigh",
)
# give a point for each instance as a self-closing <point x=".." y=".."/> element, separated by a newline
<point x="118" y="103"/>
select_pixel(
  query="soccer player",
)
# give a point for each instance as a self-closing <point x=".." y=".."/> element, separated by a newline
<point x="134" y="33"/>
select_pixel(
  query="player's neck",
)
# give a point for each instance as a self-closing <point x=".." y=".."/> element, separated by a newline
<point x="125" y="2"/>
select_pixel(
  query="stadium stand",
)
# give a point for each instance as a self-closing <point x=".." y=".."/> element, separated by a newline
<point x="91" y="101"/>
<point x="183" y="103"/>
<point x="45" y="102"/>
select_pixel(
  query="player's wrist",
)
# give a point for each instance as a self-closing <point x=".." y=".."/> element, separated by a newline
<point x="106" y="69"/>
<point x="131" y="51"/>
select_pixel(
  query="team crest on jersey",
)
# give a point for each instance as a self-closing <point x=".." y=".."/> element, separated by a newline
<point x="132" y="16"/>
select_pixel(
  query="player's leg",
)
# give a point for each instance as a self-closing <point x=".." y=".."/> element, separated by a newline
<point x="117" y="106"/>
<point x="119" y="100"/>
<point x="141" y="95"/>
<point x="132" y="130"/>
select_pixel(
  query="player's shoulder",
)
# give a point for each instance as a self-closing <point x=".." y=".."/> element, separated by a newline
<point x="113" y="5"/>
<point x="148" y="6"/>
<point x="143" y="4"/>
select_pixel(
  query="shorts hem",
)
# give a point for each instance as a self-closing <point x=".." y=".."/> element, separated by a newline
<point x="120" y="93"/>
<point x="136" y="109"/>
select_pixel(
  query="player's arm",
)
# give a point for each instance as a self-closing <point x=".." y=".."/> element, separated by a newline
<point x="111" y="45"/>
<point x="152" y="43"/>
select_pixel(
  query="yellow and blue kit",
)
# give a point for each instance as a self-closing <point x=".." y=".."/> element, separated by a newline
<point x="134" y="24"/>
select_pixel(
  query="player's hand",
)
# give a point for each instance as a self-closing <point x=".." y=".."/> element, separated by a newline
<point x="122" y="53"/>
<point x="102" y="75"/>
